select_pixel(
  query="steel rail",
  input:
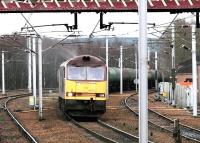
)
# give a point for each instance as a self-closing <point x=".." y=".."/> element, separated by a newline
<point x="134" y="112"/>
<point x="128" y="135"/>
<point x="21" y="128"/>
<point x="95" y="134"/>
<point x="10" y="96"/>
<point x="102" y="137"/>
<point x="2" y="104"/>
<point x="187" y="131"/>
<point x="182" y="127"/>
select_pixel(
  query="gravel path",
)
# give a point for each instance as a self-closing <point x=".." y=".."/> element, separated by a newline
<point x="9" y="132"/>
<point x="55" y="128"/>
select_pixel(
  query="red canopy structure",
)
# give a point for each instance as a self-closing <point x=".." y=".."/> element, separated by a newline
<point x="15" y="6"/>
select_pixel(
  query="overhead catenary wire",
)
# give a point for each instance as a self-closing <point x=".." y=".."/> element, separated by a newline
<point x="168" y="28"/>
<point x="26" y="24"/>
<point x="156" y="26"/>
<point x="29" y="17"/>
<point x="169" y="25"/>
<point x="37" y="34"/>
<point x="58" y="42"/>
<point x="11" y="44"/>
<point x="91" y="34"/>
<point x="19" y="47"/>
<point x="121" y="34"/>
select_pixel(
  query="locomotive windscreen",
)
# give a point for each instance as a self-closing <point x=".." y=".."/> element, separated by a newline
<point x="86" y="73"/>
<point x="76" y="73"/>
<point x="95" y="73"/>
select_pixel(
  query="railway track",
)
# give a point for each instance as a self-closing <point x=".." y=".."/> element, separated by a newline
<point x="105" y="132"/>
<point x="2" y="102"/>
<point x="4" y="105"/>
<point x="163" y="122"/>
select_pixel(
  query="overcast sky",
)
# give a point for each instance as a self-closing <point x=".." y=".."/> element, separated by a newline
<point x="86" y="22"/>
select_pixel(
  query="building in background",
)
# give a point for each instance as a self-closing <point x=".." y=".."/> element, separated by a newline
<point x="184" y="73"/>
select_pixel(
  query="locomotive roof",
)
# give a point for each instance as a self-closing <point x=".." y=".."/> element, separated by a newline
<point x="84" y="60"/>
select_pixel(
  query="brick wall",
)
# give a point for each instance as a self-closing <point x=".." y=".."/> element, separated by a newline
<point x="181" y="77"/>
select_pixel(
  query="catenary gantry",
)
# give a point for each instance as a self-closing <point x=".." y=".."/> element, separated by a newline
<point x="15" y="6"/>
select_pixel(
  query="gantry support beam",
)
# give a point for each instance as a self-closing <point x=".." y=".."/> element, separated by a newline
<point x="15" y="6"/>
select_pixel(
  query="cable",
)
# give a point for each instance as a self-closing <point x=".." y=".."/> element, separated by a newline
<point x="19" y="44"/>
<point x="9" y="44"/>
<point x="91" y="34"/>
<point x="37" y="34"/>
<point x="169" y="25"/>
<point x="160" y="25"/>
<point x="29" y="17"/>
<point x="76" y="43"/>
<point x="57" y="42"/>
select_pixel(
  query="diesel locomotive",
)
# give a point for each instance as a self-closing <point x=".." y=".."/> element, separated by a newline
<point x="82" y="86"/>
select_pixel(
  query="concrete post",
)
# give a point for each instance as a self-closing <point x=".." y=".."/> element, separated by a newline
<point x="34" y="69"/>
<point x="176" y="131"/>
<point x="3" y="73"/>
<point x="173" y="62"/>
<point x="107" y="71"/>
<point x="143" y="76"/>
<point x="194" y="71"/>
<point x="121" y="70"/>
<point x="40" y="77"/>
<point x="136" y="73"/>
<point x="148" y="57"/>
<point x="156" y="70"/>
<point x="29" y="65"/>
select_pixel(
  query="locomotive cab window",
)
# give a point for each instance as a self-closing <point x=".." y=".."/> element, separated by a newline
<point x="76" y="73"/>
<point x="95" y="73"/>
<point x="86" y="73"/>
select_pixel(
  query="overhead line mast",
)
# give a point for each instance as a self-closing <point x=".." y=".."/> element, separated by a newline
<point x="143" y="75"/>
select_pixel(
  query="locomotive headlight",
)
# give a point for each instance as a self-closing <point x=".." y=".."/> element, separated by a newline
<point x="70" y="94"/>
<point x="100" y="95"/>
